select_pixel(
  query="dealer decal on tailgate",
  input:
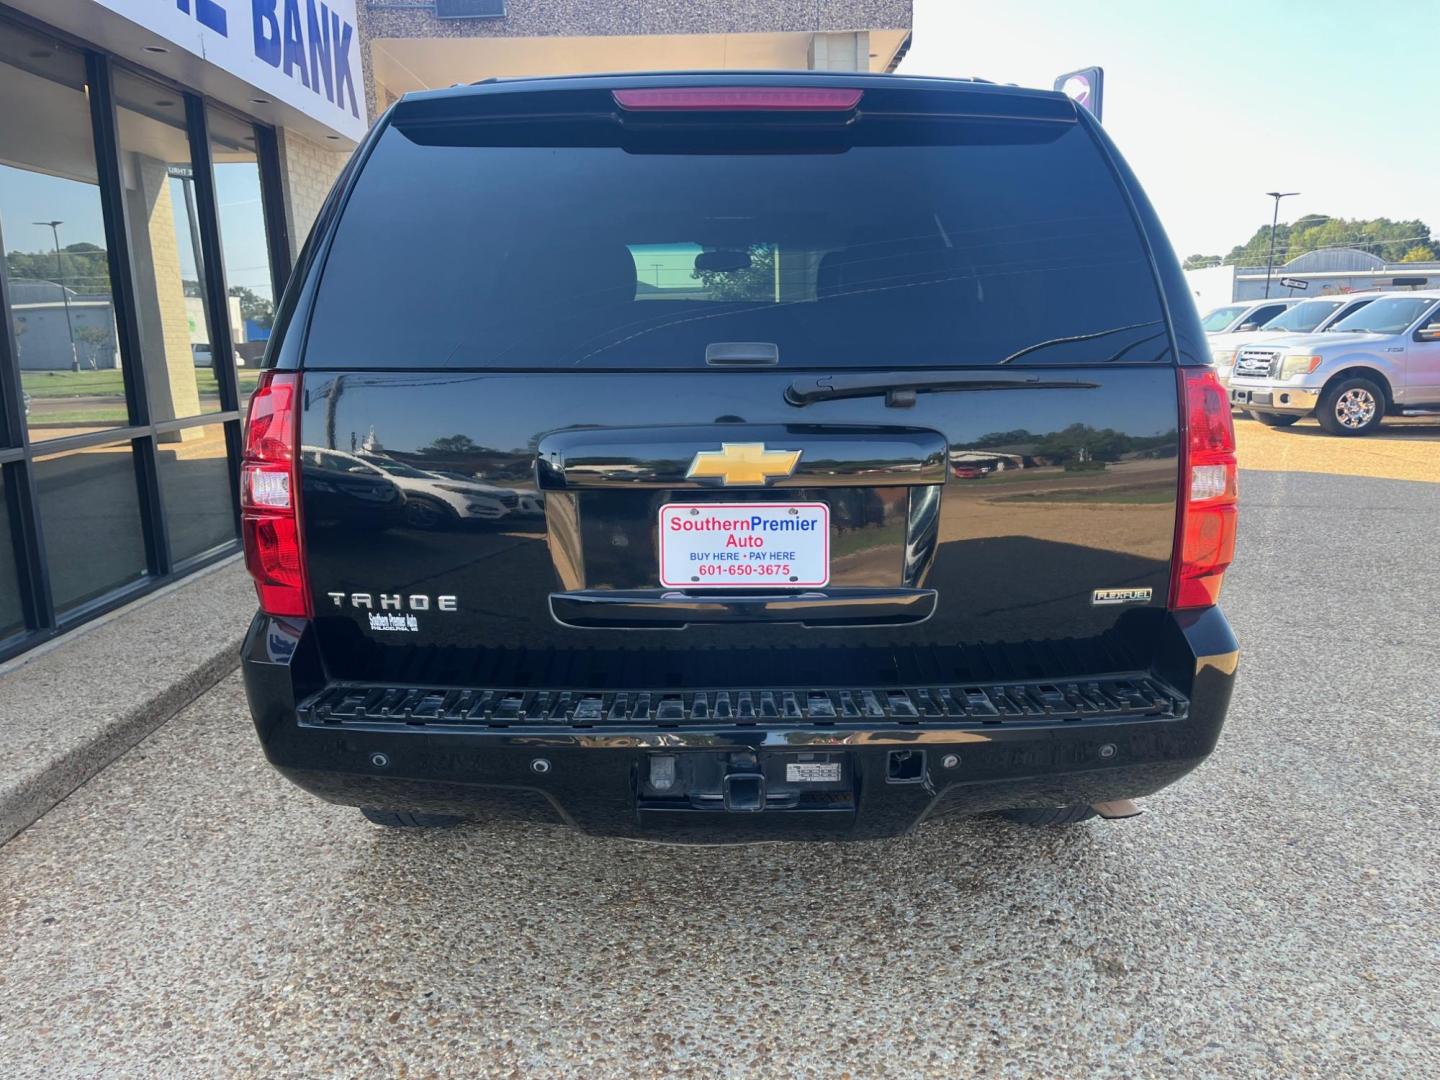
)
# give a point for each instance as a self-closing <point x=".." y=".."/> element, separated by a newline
<point x="772" y="545"/>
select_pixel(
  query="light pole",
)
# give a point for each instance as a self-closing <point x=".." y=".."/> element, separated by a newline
<point x="65" y="296"/>
<point x="1274" y="220"/>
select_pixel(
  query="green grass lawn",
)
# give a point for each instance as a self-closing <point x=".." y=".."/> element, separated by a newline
<point x="860" y="539"/>
<point x="63" y="384"/>
<point x="1018" y="476"/>
<point x="44" y="384"/>
<point x="93" y="416"/>
<point x="1127" y="495"/>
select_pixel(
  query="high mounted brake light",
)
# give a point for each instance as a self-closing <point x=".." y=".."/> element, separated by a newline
<point x="1205" y="522"/>
<point x="739" y="99"/>
<point x="269" y="489"/>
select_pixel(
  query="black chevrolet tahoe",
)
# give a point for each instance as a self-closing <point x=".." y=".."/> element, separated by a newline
<point x="737" y="456"/>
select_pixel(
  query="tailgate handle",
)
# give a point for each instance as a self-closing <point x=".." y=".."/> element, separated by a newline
<point x="742" y="354"/>
<point x="669" y="609"/>
<point x="660" y="457"/>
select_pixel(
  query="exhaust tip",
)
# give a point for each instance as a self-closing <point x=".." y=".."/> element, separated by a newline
<point x="1116" y="809"/>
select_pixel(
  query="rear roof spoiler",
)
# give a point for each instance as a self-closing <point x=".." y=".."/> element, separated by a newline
<point x="592" y="96"/>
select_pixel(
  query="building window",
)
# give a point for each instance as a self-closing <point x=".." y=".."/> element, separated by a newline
<point x="12" y="617"/>
<point x="162" y="215"/>
<point x="91" y="517"/>
<point x="53" y="232"/>
<point x="249" y="280"/>
<point x="195" y="491"/>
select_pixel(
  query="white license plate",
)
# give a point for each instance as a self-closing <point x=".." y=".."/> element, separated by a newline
<point x="744" y="545"/>
<point x="812" y="772"/>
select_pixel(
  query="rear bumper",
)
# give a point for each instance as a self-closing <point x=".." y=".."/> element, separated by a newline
<point x="892" y="758"/>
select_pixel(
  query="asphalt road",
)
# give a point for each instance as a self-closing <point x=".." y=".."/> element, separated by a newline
<point x="1276" y="914"/>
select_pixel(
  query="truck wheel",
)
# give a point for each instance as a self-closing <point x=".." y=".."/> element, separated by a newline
<point x="396" y="819"/>
<point x="1354" y="406"/>
<point x="422" y="513"/>
<point x="1270" y="419"/>
<point x="1042" y="815"/>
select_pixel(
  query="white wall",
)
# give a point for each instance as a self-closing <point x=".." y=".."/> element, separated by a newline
<point x="1211" y="287"/>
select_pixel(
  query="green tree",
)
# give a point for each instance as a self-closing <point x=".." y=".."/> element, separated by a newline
<point x="95" y="339"/>
<point x="753" y="282"/>
<point x="253" y="306"/>
<point x="1074" y="443"/>
<point x="452" y="446"/>
<point x="83" y="268"/>
<point x="1386" y="239"/>
<point x="1418" y="253"/>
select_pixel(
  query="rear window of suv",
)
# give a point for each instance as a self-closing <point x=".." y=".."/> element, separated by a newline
<point x="1007" y="242"/>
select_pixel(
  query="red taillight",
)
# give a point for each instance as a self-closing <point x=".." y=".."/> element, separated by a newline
<point x="1205" y="527"/>
<point x="739" y="99"/>
<point x="269" y="492"/>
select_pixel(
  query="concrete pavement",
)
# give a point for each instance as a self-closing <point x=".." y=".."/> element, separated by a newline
<point x="1405" y="448"/>
<point x="187" y="913"/>
<point x="70" y="708"/>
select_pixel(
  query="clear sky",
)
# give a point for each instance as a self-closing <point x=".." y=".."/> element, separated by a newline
<point x="1216" y="103"/>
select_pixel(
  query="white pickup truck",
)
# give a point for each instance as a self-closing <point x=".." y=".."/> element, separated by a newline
<point x="1307" y="317"/>
<point x="1383" y="360"/>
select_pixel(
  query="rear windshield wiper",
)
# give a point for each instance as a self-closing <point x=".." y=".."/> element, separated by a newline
<point x="900" y="388"/>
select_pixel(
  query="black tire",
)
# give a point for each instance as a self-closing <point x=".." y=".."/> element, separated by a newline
<point x="397" y="819"/>
<point x="428" y="514"/>
<point x="1353" y="406"/>
<point x="1045" y="815"/>
<point x="1270" y="419"/>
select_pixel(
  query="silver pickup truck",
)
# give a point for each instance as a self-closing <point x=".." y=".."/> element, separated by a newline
<point x="1383" y="360"/>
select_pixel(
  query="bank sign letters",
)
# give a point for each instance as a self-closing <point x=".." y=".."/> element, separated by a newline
<point x="302" y="52"/>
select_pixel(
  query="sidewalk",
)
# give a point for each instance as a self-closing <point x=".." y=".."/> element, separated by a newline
<point x="72" y="708"/>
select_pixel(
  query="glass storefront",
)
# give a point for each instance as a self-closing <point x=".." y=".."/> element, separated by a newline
<point x="195" y="491"/>
<point x="242" y="234"/>
<point x="165" y="251"/>
<point x="89" y="509"/>
<point x="136" y="252"/>
<point x="12" y="616"/>
<point x="61" y="308"/>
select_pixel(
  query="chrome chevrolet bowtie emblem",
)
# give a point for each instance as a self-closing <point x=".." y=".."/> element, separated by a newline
<point x="743" y="463"/>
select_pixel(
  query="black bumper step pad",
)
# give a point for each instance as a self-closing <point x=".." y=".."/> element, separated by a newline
<point x="882" y="663"/>
<point x="1130" y="696"/>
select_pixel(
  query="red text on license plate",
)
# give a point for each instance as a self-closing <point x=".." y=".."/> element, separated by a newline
<point x="746" y="545"/>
